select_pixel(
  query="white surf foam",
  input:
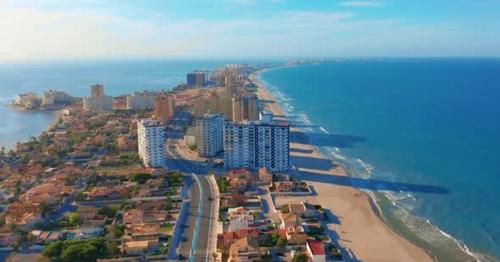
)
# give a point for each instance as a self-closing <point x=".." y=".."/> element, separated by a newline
<point x="359" y="168"/>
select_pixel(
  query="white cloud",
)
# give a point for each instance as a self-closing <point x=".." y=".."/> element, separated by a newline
<point x="28" y="32"/>
<point x="361" y="3"/>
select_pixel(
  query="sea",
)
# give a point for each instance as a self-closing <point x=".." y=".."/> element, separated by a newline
<point x="421" y="136"/>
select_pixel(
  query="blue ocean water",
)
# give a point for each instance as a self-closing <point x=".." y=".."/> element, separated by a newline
<point x="75" y="77"/>
<point x="424" y="122"/>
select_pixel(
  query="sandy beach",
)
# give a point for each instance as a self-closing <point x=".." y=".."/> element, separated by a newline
<point x="356" y="226"/>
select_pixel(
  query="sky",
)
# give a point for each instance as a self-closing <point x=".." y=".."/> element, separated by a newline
<point x="77" y="29"/>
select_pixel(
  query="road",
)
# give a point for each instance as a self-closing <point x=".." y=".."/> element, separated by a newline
<point x="198" y="237"/>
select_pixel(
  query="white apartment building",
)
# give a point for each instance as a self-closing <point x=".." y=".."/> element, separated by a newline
<point x="209" y="132"/>
<point x="151" y="142"/>
<point x="256" y="144"/>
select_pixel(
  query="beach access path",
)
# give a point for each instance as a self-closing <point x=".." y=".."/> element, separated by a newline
<point x="355" y="226"/>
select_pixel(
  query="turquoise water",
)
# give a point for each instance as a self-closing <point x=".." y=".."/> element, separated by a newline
<point x="75" y="77"/>
<point x="428" y="124"/>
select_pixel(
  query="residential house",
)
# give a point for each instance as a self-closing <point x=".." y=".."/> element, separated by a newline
<point x="23" y="214"/>
<point x="140" y="232"/>
<point x="7" y="239"/>
<point x="233" y="200"/>
<point x="153" y="187"/>
<point x="136" y="248"/>
<point x="293" y="228"/>
<point x="90" y="216"/>
<point x="316" y="250"/>
<point x="107" y="192"/>
<point x="87" y="232"/>
<point x="265" y="176"/>
<point x="227" y="238"/>
<point x="296" y="208"/>
<point x="244" y="249"/>
<point x="240" y="218"/>
<point x="283" y="186"/>
<point x="137" y="216"/>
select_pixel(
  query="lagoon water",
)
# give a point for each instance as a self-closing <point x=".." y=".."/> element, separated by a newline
<point x="75" y="77"/>
<point x="425" y="122"/>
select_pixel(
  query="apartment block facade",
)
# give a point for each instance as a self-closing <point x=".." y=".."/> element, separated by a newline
<point x="164" y="107"/>
<point x="151" y="142"/>
<point x="209" y="134"/>
<point x="255" y="145"/>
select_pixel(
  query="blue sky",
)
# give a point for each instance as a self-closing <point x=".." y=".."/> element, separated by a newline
<point x="38" y="29"/>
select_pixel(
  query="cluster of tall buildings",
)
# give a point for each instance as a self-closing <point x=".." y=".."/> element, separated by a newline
<point x="237" y="108"/>
<point x="163" y="103"/>
<point x="250" y="145"/>
<point x="231" y="123"/>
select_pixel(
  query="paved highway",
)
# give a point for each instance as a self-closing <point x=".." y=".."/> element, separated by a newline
<point x="198" y="237"/>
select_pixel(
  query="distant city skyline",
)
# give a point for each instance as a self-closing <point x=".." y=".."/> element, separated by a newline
<point x="37" y="29"/>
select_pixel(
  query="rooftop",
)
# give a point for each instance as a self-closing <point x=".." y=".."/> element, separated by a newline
<point x="150" y="122"/>
<point x="317" y="247"/>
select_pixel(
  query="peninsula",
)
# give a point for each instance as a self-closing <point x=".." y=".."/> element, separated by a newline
<point x="205" y="172"/>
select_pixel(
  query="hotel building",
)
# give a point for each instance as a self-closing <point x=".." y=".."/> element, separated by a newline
<point x="141" y="100"/>
<point x="164" y="107"/>
<point x="151" y="142"/>
<point x="236" y="109"/>
<point x="214" y="105"/>
<point x="196" y="79"/>
<point x="209" y="134"/>
<point x="96" y="90"/>
<point x="97" y="99"/>
<point x="255" y="145"/>
<point x="245" y="108"/>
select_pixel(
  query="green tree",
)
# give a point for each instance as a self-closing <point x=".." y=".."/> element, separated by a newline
<point x="74" y="219"/>
<point x="113" y="247"/>
<point x="300" y="258"/>
<point x="107" y="211"/>
<point x="76" y="250"/>
<point x="140" y="178"/>
<point x="168" y="203"/>
<point x="82" y="252"/>
<point x="118" y="231"/>
<point x="281" y="242"/>
<point x="53" y="250"/>
<point x="44" y="209"/>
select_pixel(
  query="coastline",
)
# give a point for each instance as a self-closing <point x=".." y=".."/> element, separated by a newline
<point x="32" y="124"/>
<point x="365" y="233"/>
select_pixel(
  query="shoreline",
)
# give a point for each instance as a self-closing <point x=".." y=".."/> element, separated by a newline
<point x="55" y="114"/>
<point x="400" y="248"/>
<point x="416" y="229"/>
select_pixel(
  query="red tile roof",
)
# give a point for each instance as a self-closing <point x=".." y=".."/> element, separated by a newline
<point x="317" y="247"/>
